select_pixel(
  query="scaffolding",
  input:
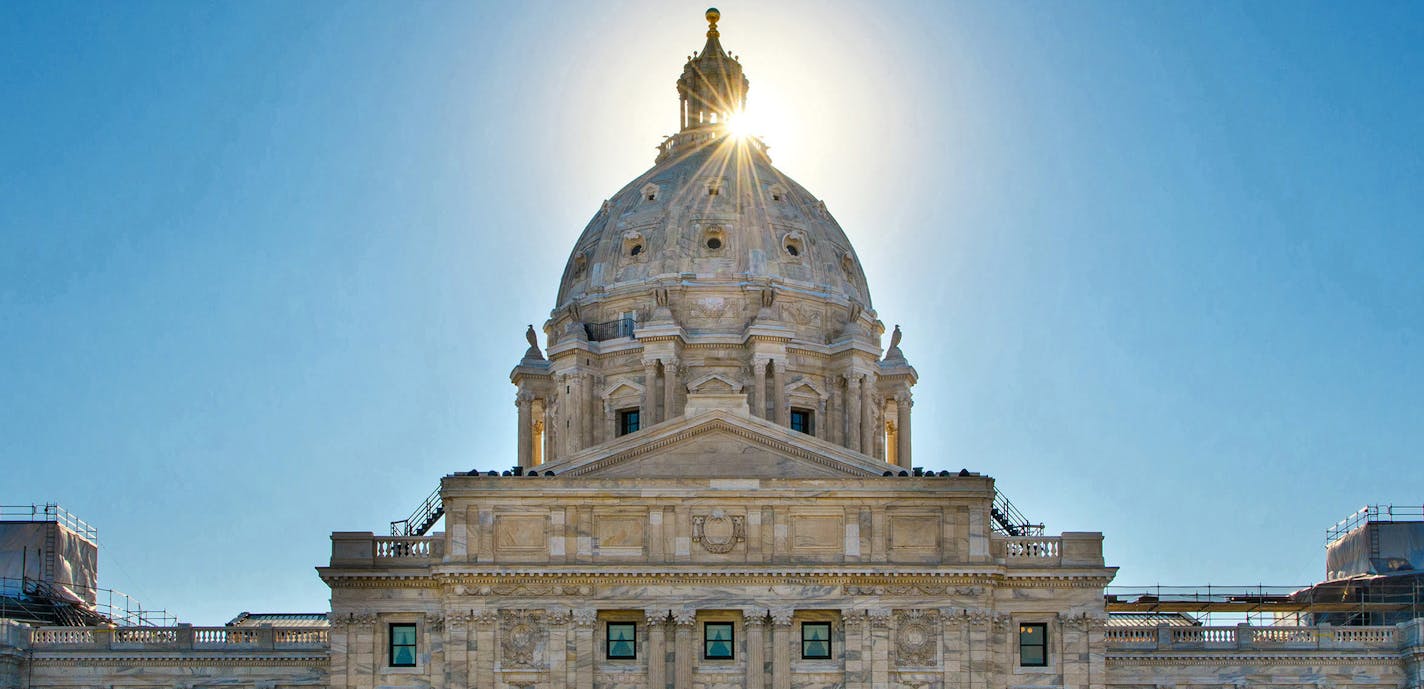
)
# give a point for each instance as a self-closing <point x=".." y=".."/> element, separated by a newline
<point x="1366" y="603"/>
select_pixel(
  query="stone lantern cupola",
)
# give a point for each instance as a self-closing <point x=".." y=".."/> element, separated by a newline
<point x="712" y="88"/>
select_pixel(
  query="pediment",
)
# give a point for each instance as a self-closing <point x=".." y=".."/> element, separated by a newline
<point x="717" y="444"/>
<point x="714" y="383"/>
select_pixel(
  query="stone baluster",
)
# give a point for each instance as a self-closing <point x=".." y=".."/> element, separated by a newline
<point x="656" y="621"/>
<point x="754" y="619"/>
<point x="852" y="417"/>
<point x="781" y="648"/>
<point x="903" y="402"/>
<point x="682" y="649"/>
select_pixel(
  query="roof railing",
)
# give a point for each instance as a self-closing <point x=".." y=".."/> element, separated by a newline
<point x="49" y="512"/>
<point x="1374" y="513"/>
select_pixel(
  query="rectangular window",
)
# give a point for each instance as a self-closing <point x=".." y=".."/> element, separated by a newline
<point x="1033" y="645"/>
<point x="402" y="652"/>
<point x="627" y="421"/>
<point x="717" y="641"/>
<point x="815" y="639"/>
<point x="622" y="640"/>
<point x="801" y="421"/>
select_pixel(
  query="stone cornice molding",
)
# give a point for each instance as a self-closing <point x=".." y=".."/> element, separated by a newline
<point x="316" y="659"/>
<point x="1156" y="658"/>
<point x="582" y="582"/>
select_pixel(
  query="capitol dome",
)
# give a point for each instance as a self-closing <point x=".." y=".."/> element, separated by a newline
<point x="712" y="281"/>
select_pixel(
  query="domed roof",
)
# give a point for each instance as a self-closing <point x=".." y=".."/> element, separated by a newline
<point x="713" y="209"/>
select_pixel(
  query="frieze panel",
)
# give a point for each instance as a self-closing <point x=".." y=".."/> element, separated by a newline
<point x="719" y="532"/>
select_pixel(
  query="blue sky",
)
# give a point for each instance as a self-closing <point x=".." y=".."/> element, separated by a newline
<point x="265" y="266"/>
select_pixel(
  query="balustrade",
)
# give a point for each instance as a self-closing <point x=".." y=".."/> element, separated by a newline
<point x="404" y="547"/>
<point x="1036" y="548"/>
<point x="180" y="637"/>
<point x="1243" y="636"/>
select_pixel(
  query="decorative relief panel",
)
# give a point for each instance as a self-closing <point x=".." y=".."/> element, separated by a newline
<point x="521" y="533"/>
<point x="620" y="534"/>
<point x="916" y="637"/>
<point x="521" y="635"/>
<point x="719" y="532"/>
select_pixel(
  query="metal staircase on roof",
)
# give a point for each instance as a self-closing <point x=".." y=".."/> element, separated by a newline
<point x="422" y="519"/>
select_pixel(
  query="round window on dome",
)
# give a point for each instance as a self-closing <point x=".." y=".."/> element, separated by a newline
<point x="637" y="249"/>
<point x="714" y="243"/>
<point x="791" y="249"/>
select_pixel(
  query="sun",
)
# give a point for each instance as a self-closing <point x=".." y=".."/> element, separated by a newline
<point x="740" y="125"/>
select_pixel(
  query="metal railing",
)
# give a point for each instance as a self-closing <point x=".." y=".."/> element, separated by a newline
<point x="422" y="518"/>
<point x="49" y="512"/>
<point x="38" y="600"/>
<point x="1374" y="513"/>
<point x="623" y="327"/>
<point x="1008" y="520"/>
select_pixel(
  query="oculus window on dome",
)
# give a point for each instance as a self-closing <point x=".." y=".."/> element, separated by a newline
<point x="717" y="638"/>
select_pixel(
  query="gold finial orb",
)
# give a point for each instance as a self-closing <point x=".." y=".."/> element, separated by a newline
<point x="713" y="15"/>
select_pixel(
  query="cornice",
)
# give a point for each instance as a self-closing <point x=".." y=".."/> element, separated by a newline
<point x="578" y="581"/>
<point x="89" y="657"/>
<point x="1297" y="657"/>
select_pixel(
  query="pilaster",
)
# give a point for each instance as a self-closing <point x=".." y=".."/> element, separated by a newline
<point x="781" y="648"/>
<point x="754" y="620"/>
<point x="656" y="623"/>
<point x="682" y="649"/>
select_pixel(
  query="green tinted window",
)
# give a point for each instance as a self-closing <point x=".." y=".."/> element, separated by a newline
<point x="402" y="645"/>
<point x="622" y="640"/>
<point x="717" y="640"/>
<point x="815" y="639"/>
<point x="1033" y="645"/>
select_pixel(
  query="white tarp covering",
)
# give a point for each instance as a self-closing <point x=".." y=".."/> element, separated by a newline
<point x="74" y="560"/>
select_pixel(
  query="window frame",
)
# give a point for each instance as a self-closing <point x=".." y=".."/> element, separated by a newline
<point x="391" y="644"/>
<point x="822" y="624"/>
<point x="634" y="413"/>
<point x="808" y="415"/>
<point x="608" y="640"/>
<point x="1042" y="645"/>
<point x="731" y="640"/>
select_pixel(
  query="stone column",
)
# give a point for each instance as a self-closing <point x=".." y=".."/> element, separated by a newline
<point x="340" y="651"/>
<point x="835" y="416"/>
<point x="578" y="408"/>
<point x="821" y="429"/>
<point x="902" y="429"/>
<point x="457" y="649"/>
<point x="855" y="665"/>
<point x="585" y="621"/>
<point x="867" y="417"/>
<point x="649" y="405"/>
<point x="656" y="622"/>
<point x="551" y="432"/>
<point x="852" y="417"/>
<point x="783" y="412"/>
<point x="610" y="422"/>
<point x="485" y="622"/>
<point x="759" y="388"/>
<point x="879" y="619"/>
<point x="781" y="648"/>
<point x="682" y="649"/>
<point x="754" y="620"/>
<point x="558" y="649"/>
<point x="670" y="410"/>
<point x="364" y="658"/>
<point x="526" y="428"/>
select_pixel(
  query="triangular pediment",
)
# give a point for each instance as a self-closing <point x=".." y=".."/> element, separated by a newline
<point x="717" y="444"/>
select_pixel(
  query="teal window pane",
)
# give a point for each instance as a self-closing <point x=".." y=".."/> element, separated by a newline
<point x="717" y="640"/>
<point x="622" y="640"/>
<point x="402" y="635"/>
<point x="816" y="632"/>
<point x="815" y="640"/>
<point x="817" y="649"/>
<point x="402" y="645"/>
<point x="1033" y="645"/>
<point x="405" y="655"/>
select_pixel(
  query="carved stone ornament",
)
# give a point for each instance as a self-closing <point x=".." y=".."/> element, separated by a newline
<point x="520" y="637"/>
<point x="684" y="617"/>
<point x="458" y="621"/>
<point x="558" y="616"/>
<point x="585" y="617"/>
<point x="719" y="532"/>
<point x="655" y="616"/>
<point x="435" y="621"/>
<point x="781" y="616"/>
<point x="485" y="617"/>
<point x="754" y="616"/>
<point x="916" y="637"/>
<point x="529" y="589"/>
<point x="878" y="617"/>
<point x="365" y="617"/>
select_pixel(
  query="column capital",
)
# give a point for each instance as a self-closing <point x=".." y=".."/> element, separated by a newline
<point x="878" y="617"/>
<point x="754" y="617"/>
<point x="585" y="617"/>
<point x="655" y="617"/>
<point x="684" y="617"/>
<point x="781" y="617"/>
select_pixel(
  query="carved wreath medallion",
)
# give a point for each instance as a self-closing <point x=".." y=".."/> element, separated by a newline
<point x="520" y="637"/>
<point x="719" y="532"/>
<point x="916" y="637"/>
